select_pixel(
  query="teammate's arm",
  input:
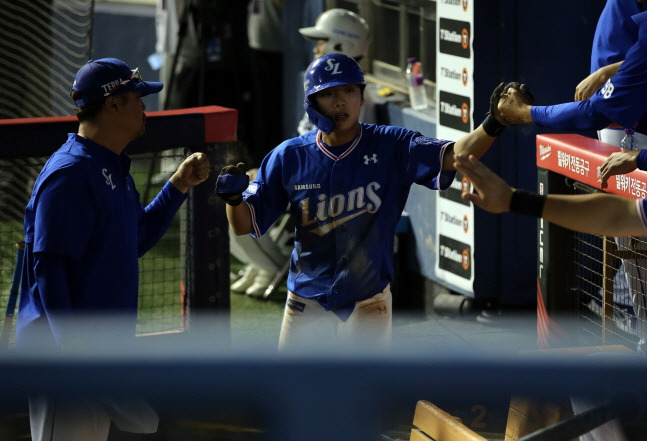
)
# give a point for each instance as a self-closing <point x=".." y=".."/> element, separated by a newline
<point x="576" y="115"/>
<point x="479" y="141"/>
<point x="475" y="143"/>
<point x="232" y="182"/>
<point x="599" y="213"/>
<point x="593" y="82"/>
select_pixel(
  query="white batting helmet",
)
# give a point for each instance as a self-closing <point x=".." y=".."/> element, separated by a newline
<point x="345" y="32"/>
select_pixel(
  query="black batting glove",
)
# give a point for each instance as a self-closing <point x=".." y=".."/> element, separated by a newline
<point x="231" y="183"/>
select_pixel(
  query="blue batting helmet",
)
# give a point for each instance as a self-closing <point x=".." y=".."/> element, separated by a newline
<point x="328" y="71"/>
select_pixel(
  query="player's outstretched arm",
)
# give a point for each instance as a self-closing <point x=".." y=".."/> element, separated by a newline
<point x="598" y="213"/>
<point x="475" y="143"/>
<point x="479" y="141"/>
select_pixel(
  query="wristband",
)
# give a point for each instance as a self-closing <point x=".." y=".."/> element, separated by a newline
<point x="235" y="202"/>
<point x="641" y="160"/>
<point x="492" y="126"/>
<point x="524" y="202"/>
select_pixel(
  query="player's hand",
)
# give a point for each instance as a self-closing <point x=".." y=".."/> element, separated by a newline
<point x="617" y="163"/>
<point x="587" y="87"/>
<point x="193" y="171"/>
<point x="514" y="103"/>
<point x="492" y="192"/>
<point x="232" y="182"/>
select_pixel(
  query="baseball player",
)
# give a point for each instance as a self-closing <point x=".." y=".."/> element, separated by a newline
<point x="84" y="232"/>
<point x="336" y="30"/>
<point x="342" y="31"/>
<point x="346" y="184"/>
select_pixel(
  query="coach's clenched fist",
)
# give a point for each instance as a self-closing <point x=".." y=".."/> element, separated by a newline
<point x="193" y="171"/>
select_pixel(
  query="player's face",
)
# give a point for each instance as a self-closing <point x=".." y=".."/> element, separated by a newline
<point x="341" y="104"/>
<point x="132" y="112"/>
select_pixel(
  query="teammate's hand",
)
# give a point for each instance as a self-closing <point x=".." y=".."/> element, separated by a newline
<point x="587" y="87"/>
<point x="493" y="194"/>
<point x="194" y="170"/>
<point x="231" y="183"/>
<point x="618" y="163"/>
<point x="513" y="104"/>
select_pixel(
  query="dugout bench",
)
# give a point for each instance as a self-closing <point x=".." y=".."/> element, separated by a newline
<point x="209" y="129"/>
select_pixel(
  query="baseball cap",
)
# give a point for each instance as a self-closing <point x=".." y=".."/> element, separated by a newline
<point x="101" y="78"/>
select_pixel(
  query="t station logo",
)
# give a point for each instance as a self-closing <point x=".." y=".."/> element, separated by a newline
<point x="455" y="111"/>
<point x="455" y="257"/>
<point x="454" y="37"/>
<point x="456" y="189"/>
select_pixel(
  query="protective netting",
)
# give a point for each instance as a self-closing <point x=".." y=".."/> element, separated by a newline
<point x="596" y="264"/>
<point x="44" y="43"/>
<point x="162" y="269"/>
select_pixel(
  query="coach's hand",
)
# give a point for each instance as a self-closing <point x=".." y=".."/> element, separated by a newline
<point x="232" y="182"/>
<point x="193" y="171"/>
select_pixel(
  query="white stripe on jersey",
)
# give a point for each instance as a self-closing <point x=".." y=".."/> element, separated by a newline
<point x="346" y="153"/>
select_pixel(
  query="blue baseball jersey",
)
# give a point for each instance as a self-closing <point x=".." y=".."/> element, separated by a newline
<point x="345" y="202"/>
<point x="615" y="32"/>
<point x="84" y="217"/>
<point x="622" y="100"/>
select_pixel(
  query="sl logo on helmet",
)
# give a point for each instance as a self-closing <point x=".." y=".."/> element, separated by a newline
<point x="332" y="66"/>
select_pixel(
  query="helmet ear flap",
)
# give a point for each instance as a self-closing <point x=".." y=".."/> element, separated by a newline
<point x="320" y="121"/>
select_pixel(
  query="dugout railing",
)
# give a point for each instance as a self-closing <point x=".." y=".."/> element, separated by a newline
<point x="586" y="281"/>
<point x="187" y="272"/>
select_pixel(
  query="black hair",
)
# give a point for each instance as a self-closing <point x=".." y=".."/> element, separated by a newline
<point x="87" y="112"/>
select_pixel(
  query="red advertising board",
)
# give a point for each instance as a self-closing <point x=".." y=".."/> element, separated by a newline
<point x="580" y="158"/>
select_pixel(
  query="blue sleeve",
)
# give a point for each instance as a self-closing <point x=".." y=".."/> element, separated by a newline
<point x="576" y="115"/>
<point x="425" y="162"/>
<point x="63" y="223"/>
<point x="50" y="272"/>
<point x="266" y="196"/>
<point x="157" y="216"/>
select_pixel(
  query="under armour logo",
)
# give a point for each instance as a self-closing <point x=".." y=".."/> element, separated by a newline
<point x="381" y="310"/>
<point x="108" y="177"/>
<point x="607" y="90"/>
<point x="367" y="159"/>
